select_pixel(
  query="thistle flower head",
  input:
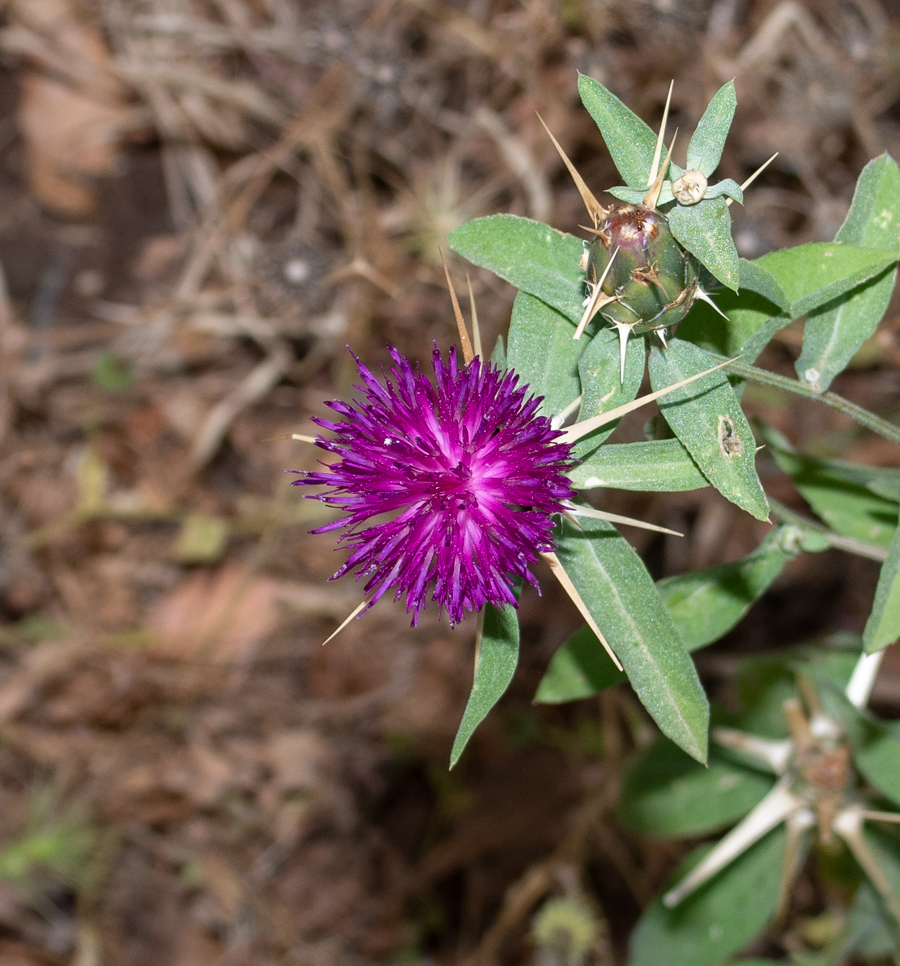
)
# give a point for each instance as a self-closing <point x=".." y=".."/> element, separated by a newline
<point x="652" y="279"/>
<point x="468" y="471"/>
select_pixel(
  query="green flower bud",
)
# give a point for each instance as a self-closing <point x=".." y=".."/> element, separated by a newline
<point x="653" y="279"/>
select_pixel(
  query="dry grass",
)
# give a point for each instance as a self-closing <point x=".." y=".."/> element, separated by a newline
<point x="203" y="202"/>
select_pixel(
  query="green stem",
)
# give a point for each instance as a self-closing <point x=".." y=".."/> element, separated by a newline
<point x="862" y="416"/>
<point x="849" y="544"/>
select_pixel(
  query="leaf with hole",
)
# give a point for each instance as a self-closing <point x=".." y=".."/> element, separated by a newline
<point x="707" y="417"/>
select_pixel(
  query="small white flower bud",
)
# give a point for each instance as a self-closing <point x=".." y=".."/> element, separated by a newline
<point x="689" y="188"/>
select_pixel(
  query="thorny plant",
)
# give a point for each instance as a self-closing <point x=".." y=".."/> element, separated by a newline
<point x="480" y="473"/>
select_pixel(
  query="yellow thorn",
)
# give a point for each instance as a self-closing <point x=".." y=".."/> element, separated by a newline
<point x="468" y="354"/>
<point x="574" y="433"/>
<point x="662" y="136"/>
<point x="589" y="511"/>
<point x="298" y="436"/>
<point x="652" y="195"/>
<point x="567" y="585"/>
<point x="354" y="613"/>
<point x="594" y="208"/>
<point x="597" y="300"/>
<point x="476" y="329"/>
<point x="754" y="176"/>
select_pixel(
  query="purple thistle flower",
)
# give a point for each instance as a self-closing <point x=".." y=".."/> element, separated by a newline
<point x="469" y="471"/>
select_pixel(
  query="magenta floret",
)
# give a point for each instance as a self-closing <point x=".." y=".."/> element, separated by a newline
<point x="469" y="471"/>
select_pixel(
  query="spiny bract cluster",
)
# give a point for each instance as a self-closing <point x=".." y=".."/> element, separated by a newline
<point x="469" y="471"/>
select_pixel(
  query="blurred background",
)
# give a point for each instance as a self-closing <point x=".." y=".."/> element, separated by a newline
<point x="202" y="202"/>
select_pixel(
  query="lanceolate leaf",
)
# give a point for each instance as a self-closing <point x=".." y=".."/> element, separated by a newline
<point x="601" y="386"/>
<point x="883" y="625"/>
<point x="578" y="669"/>
<point x="496" y="666"/>
<point x="814" y="274"/>
<point x="719" y="918"/>
<point x="540" y="348"/>
<point x="666" y="793"/>
<point x="838" y="492"/>
<point x="706" y="416"/>
<point x="755" y="314"/>
<point x="657" y="464"/>
<point x="835" y="332"/>
<point x="621" y="596"/>
<point x="876" y="752"/>
<point x="705" y="150"/>
<point x="533" y="256"/>
<point x="708" y="603"/>
<point x="872" y="930"/>
<point x="705" y="231"/>
<point x="629" y="140"/>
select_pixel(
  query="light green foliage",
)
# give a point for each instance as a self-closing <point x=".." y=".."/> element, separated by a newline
<point x="58" y="846"/>
<point x="706" y="604"/>
<point x="623" y="600"/>
<point x="814" y="275"/>
<point x="496" y="665"/>
<point x="629" y="140"/>
<point x="707" y="417"/>
<point x="840" y="492"/>
<point x="833" y="334"/>
<point x="665" y="793"/>
<point x="871" y="930"/>
<point x="754" y="315"/>
<point x="579" y="669"/>
<point x="705" y="231"/>
<point x="705" y="150"/>
<point x="543" y="353"/>
<point x="656" y="464"/>
<point x="843" y="286"/>
<point x="601" y="387"/>
<point x="720" y="918"/>
<point x="883" y="625"/>
<point x="534" y="257"/>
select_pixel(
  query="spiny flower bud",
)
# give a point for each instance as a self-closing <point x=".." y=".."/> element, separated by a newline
<point x="652" y="279"/>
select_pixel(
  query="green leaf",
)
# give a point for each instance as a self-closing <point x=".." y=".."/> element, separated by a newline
<point x="629" y="140"/>
<point x="541" y="350"/>
<point x="704" y="230"/>
<point x="876" y="752"/>
<point x="657" y="464"/>
<point x="666" y="793"/>
<point x="706" y="604"/>
<point x="706" y="416"/>
<point x="532" y="256"/>
<point x="812" y="275"/>
<point x="623" y="600"/>
<point x="729" y="188"/>
<point x="720" y="918"/>
<point x="834" y="333"/>
<point x="602" y="388"/>
<point x="883" y="625"/>
<point x="496" y="666"/>
<point x="705" y="150"/>
<point x="837" y="491"/>
<point x="872" y="930"/>
<point x="580" y="668"/>
<point x="755" y="314"/>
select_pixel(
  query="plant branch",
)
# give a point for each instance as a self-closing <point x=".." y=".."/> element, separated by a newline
<point x="850" y="544"/>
